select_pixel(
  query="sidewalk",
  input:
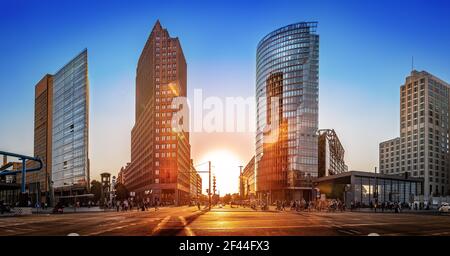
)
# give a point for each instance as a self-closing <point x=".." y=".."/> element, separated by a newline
<point x="227" y="208"/>
<point x="431" y="211"/>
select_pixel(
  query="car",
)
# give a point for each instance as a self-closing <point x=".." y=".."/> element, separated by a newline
<point x="445" y="207"/>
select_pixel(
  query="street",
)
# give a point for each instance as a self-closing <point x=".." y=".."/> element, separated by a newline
<point x="189" y="221"/>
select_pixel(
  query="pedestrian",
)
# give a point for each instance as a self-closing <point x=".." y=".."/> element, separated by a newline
<point x="117" y="205"/>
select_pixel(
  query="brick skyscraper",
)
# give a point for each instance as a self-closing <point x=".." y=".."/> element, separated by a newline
<point x="160" y="156"/>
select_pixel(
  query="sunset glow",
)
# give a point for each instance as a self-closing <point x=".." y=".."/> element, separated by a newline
<point x="225" y="165"/>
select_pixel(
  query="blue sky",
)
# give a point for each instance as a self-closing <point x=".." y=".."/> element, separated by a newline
<point x="365" y="54"/>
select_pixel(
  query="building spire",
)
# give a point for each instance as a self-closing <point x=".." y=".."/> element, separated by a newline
<point x="157" y="24"/>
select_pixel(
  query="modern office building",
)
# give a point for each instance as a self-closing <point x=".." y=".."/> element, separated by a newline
<point x="70" y="127"/>
<point x="160" y="155"/>
<point x="331" y="154"/>
<point x="389" y="156"/>
<point x="39" y="182"/>
<point x="247" y="179"/>
<point x="61" y="130"/>
<point x="422" y="150"/>
<point x="287" y="84"/>
<point x="366" y="188"/>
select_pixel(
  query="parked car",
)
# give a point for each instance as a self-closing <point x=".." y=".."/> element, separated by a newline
<point x="445" y="207"/>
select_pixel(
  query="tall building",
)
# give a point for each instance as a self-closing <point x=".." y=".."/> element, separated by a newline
<point x="61" y="129"/>
<point x="160" y="155"/>
<point x="287" y="84"/>
<point x="331" y="154"/>
<point x="422" y="150"/>
<point x="39" y="182"/>
<point x="70" y="127"/>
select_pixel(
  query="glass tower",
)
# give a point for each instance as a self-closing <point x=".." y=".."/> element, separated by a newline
<point x="70" y="164"/>
<point x="287" y="65"/>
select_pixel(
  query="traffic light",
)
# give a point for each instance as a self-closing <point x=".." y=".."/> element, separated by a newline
<point x="214" y="184"/>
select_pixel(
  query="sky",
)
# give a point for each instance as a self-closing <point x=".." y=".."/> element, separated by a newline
<point x="366" y="48"/>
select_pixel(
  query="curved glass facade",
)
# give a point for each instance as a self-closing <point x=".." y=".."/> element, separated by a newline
<point x="287" y="65"/>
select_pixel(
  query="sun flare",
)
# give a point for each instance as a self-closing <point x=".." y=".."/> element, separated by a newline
<point x="225" y="166"/>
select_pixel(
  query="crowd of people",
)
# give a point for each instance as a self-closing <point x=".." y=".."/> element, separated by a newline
<point x="396" y="207"/>
<point x="330" y="205"/>
<point x="327" y="205"/>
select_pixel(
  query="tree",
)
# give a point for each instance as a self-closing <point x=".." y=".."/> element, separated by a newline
<point x="121" y="191"/>
<point x="96" y="189"/>
<point x="235" y="196"/>
<point x="227" y="198"/>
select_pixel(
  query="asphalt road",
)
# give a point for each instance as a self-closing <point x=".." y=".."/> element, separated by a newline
<point x="188" y="221"/>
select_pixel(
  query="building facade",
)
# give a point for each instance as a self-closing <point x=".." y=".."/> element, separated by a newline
<point x="61" y="129"/>
<point x="195" y="183"/>
<point x="160" y="155"/>
<point x="368" y="188"/>
<point x="331" y="154"/>
<point x="120" y="174"/>
<point x="422" y="150"/>
<point x="389" y="156"/>
<point x="287" y="86"/>
<point x="38" y="183"/>
<point x="247" y="181"/>
<point x="70" y="127"/>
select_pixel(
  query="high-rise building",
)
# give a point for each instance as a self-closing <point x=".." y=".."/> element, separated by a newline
<point x="70" y="127"/>
<point x="287" y="84"/>
<point x="422" y="150"/>
<point x="160" y="155"/>
<point x="39" y="182"/>
<point x="61" y="129"/>
<point x="331" y="153"/>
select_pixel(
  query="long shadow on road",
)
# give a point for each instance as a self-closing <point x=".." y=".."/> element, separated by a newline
<point x="173" y="230"/>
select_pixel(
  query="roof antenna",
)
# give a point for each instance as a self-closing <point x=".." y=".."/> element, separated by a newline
<point x="412" y="63"/>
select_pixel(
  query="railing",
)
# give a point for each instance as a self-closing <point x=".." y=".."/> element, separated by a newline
<point x="24" y="170"/>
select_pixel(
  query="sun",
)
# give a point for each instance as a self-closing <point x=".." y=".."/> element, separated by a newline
<point x="225" y="166"/>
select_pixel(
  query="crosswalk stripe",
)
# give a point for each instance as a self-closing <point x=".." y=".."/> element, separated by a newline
<point x="187" y="229"/>
<point x="161" y="224"/>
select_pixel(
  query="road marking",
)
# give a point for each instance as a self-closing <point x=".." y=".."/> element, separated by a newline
<point x="440" y="234"/>
<point x="187" y="229"/>
<point x="345" y="232"/>
<point x="111" y="229"/>
<point x="161" y="224"/>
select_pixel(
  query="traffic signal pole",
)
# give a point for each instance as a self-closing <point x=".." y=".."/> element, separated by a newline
<point x="209" y="190"/>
